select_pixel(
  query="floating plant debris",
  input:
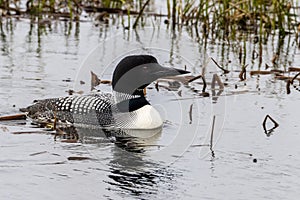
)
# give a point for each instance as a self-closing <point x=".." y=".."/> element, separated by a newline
<point x="225" y="71"/>
<point x="259" y="72"/>
<point x="194" y="78"/>
<point x="288" y="89"/>
<point x="29" y="132"/>
<point x="269" y="131"/>
<point x="38" y="153"/>
<point x="67" y="80"/>
<point x="294" y="69"/>
<point x="95" y="81"/>
<point x="295" y="77"/>
<point x="78" y="158"/>
<point x="242" y="74"/>
<point x="212" y="136"/>
<point x="13" y="117"/>
<point x="191" y="113"/>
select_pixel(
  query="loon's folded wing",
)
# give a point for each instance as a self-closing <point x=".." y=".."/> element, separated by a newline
<point x="87" y="109"/>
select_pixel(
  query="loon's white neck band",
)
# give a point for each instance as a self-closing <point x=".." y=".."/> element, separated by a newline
<point x="119" y="96"/>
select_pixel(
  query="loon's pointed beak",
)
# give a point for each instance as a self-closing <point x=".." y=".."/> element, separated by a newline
<point x="159" y="71"/>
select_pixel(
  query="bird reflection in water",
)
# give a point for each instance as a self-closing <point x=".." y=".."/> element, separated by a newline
<point x="136" y="175"/>
<point x="130" y="171"/>
<point x="132" y="140"/>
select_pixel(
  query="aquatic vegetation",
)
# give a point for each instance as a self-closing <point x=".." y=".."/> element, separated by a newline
<point x="227" y="17"/>
<point x="241" y="27"/>
<point x="217" y="19"/>
<point x="69" y="9"/>
<point x="249" y="30"/>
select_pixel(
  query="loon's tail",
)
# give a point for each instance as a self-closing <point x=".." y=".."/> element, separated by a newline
<point x="37" y="109"/>
<point x="40" y="106"/>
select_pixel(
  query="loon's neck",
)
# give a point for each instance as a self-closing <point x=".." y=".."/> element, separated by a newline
<point x="119" y="96"/>
<point x="129" y="103"/>
<point x="134" y="112"/>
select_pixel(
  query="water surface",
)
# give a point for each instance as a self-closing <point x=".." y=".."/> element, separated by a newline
<point x="37" y="64"/>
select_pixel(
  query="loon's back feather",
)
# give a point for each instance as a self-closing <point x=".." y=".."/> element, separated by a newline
<point x="92" y="109"/>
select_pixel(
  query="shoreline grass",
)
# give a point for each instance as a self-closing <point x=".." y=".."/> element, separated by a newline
<point x="233" y="23"/>
<point x="229" y="16"/>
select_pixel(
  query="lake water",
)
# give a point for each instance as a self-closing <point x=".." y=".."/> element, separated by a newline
<point x="244" y="162"/>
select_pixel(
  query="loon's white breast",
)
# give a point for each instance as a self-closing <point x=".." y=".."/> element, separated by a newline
<point x="146" y="117"/>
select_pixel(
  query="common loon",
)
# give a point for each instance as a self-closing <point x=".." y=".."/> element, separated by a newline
<point x="125" y="108"/>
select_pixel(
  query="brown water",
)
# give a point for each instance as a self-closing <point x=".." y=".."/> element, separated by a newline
<point x="37" y="64"/>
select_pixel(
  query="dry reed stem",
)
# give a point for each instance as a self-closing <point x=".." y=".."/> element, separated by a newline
<point x="225" y="71"/>
<point x="20" y="116"/>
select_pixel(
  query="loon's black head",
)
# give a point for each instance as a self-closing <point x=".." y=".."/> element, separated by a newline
<point x="134" y="73"/>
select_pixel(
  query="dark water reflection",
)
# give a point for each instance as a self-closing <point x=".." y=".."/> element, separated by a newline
<point x="134" y="174"/>
<point x="130" y="174"/>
